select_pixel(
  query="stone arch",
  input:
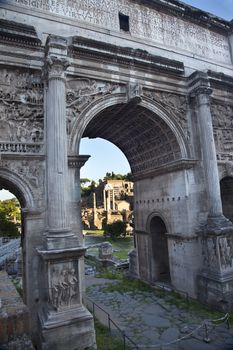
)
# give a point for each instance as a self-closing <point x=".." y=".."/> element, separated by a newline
<point x="113" y="101"/>
<point x="18" y="187"/>
<point x="157" y="227"/>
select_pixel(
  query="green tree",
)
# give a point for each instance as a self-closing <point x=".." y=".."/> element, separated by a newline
<point x="8" y="228"/>
<point x="10" y="209"/>
<point x="86" y="191"/>
<point x="116" y="229"/>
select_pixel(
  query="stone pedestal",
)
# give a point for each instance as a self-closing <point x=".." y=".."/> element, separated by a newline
<point x="64" y="322"/>
<point x="105" y="251"/>
<point x="133" y="263"/>
<point x="215" y="282"/>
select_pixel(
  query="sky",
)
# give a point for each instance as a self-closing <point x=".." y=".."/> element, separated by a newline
<point x="105" y="157"/>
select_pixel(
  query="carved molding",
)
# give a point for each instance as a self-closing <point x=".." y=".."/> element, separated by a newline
<point x="164" y="169"/>
<point x="77" y="161"/>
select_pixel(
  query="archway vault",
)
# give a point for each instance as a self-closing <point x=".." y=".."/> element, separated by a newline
<point x="147" y="135"/>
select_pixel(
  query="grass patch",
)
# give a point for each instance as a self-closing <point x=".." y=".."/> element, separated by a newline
<point x="109" y="274"/>
<point x="121" y="254"/>
<point x="104" y="339"/>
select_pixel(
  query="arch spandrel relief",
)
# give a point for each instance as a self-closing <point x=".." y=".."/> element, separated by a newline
<point x="21" y="112"/>
<point x="81" y="92"/>
<point x="174" y="103"/>
<point x="31" y="172"/>
<point x="222" y="115"/>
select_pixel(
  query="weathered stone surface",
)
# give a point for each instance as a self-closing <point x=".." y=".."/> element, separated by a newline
<point x="161" y="90"/>
<point x="14" y="315"/>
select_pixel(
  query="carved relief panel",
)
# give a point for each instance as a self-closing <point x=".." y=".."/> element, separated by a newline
<point x="81" y="92"/>
<point x="222" y="116"/>
<point x="218" y="253"/>
<point x="21" y="111"/>
<point x="30" y="171"/>
<point x="64" y="289"/>
<point x="173" y="103"/>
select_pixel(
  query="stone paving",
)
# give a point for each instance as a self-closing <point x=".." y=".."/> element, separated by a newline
<point x="149" y="320"/>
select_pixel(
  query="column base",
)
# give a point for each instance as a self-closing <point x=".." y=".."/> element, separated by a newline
<point x="216" y="291"/>
<point x="60" y="239"/>
<point x="218" y="225"/>
<point x="72" y="329"/>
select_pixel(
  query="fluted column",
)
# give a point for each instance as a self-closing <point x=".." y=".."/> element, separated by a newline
<point x="209" y="152"/>
<point x="57" y="167"/>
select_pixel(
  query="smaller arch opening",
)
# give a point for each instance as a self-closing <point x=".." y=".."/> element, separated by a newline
<point x="160" y="271"/>
<point x="10" y="236"/>
<point x="226" y="188"/>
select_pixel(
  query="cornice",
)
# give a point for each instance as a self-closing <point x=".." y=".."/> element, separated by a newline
<point x="96" y="50"/>
<point x="220" y="81"/>
<point x="191" y="14"/>
<point x="178" y="165"/>
<point x="18" y="34"/>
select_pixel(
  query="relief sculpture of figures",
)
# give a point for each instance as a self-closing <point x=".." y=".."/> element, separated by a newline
<point x="64" y="288"/>
<point x="225" y="252"/>
<point x="21" y="106"/>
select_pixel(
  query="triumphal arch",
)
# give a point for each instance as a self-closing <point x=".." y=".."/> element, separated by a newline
<point x="154" y="77"/>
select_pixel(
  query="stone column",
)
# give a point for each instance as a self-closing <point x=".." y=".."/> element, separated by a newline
<point x="104" y="196"/>
<point x="113" y="200"/>
<point x="209" y="151"/>
<point x="201" y="91"/>
<point x="214" y="282"/>
<point x="59" y="233"/>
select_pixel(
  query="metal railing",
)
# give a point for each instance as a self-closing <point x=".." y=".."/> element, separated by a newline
<point x="114" y="330"/>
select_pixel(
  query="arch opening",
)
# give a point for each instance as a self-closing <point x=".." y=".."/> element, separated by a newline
<point x="14" y="260"/>
<point x="106" y="187"/>
<point x="160" y="270"/>
<point x="146" y="139"/>
<point x="226" y="188"/>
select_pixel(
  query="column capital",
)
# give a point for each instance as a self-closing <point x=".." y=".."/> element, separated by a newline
<point x="201" y="90"/>
<point x="56" y="67"/>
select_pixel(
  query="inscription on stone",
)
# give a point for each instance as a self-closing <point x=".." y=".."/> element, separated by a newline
<point x="144" y="22"/>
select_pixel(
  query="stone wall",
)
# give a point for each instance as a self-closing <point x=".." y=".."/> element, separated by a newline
<point x="14" y="317"/>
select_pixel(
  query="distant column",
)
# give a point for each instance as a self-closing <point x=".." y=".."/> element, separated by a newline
<point x="104" y="195"/>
